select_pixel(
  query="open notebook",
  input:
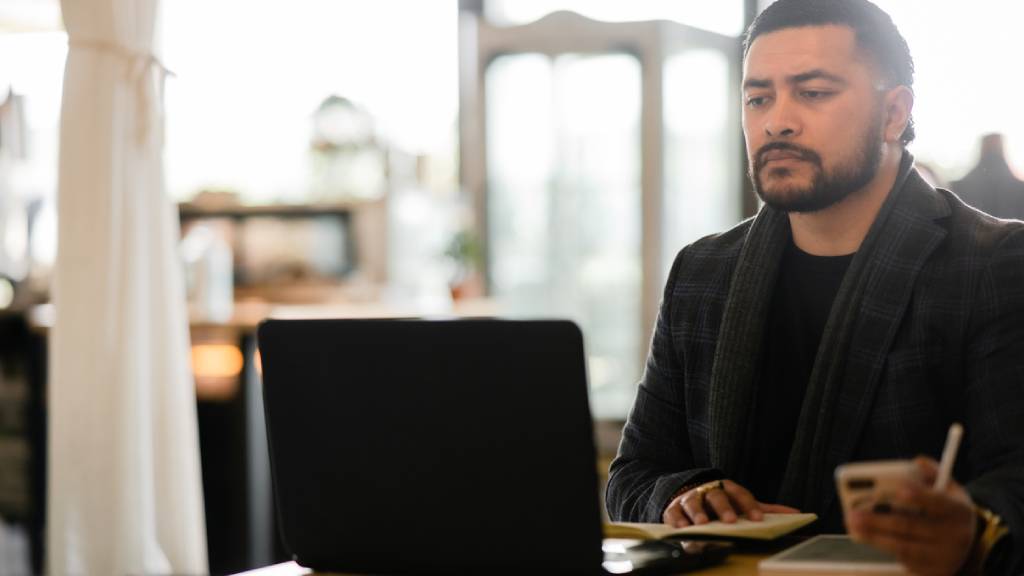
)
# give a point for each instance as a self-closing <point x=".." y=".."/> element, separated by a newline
<point x="771" y="527"/>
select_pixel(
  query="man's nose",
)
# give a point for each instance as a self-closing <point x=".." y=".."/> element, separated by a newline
<point x="782" y="120"/>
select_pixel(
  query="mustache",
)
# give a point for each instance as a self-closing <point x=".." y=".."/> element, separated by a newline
<point x="803" y="153"/>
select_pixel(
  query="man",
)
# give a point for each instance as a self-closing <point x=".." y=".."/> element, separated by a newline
<point x="856" y="317"/>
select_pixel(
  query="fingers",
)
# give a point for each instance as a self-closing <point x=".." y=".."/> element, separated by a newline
<point x="922" y="536"/>
<point x="744" y="500"/>
<point x="727" y="501"/>
<point x="926" y="530"/>
<point x="898" y="525"/>
<point x="692" y="504"/>
<point x="954" y="504"/>
<point x="922" y="501"/>
<point x="674" y="516"/>
<point x="928" y="468"/>
<point x="718" y="500"/>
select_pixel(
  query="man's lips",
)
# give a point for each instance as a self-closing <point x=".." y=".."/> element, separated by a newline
<point x="774" y="155"/>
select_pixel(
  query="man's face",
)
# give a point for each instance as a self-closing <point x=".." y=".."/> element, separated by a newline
<point x="812" y="117"/>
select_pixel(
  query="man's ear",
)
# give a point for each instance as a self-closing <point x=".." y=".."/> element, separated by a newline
<point x="899" y="103"/>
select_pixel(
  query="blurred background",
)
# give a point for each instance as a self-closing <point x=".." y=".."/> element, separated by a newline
<point x="353" y="158"/>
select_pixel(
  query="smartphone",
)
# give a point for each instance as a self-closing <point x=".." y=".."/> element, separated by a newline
<point x="873" y="485"/>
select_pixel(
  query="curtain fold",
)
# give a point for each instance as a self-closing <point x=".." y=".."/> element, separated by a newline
<point x="125" y="491"/>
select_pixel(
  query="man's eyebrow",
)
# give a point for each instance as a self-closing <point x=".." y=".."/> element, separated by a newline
<point x="756" y="83"/>
<point x="816" y="74"/>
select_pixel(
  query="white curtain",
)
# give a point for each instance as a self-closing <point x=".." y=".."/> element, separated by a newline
<point x="125" y="493"/>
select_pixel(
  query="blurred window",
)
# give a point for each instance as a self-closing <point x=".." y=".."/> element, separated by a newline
<point x="32" y="54"/>
<point x="703" y="171"/>
<point x="579" y="223"/>
<point x="722" y="16"/>
<point x="250" y="76"/>
<point x="564" y="202"/>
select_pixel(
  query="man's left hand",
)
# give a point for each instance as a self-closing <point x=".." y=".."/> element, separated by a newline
<point x="930" y="532"/>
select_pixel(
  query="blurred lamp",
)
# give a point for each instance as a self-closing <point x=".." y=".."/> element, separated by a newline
<point x="217" y="367"/>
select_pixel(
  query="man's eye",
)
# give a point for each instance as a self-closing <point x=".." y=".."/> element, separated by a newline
<point x="755" y="101"/>
<point x="815" y="94"/>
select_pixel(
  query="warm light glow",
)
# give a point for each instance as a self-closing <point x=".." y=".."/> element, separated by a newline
<point x="217" y="367"/>
<point x="216" y="360"/>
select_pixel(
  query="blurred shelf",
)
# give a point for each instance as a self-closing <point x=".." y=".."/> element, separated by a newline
<point x="190" y="210"/>
<point x="247" y="315"/>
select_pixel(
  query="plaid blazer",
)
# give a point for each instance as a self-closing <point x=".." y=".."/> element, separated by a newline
<point x="927" y="329"/>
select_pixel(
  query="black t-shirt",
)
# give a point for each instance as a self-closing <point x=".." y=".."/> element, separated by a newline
<point x="800" y="306"/>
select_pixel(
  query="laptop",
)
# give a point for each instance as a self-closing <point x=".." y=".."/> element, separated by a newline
<point x="430" y="446"/>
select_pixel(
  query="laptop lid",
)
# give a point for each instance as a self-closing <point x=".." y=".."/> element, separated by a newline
<point x="432" y="446"/>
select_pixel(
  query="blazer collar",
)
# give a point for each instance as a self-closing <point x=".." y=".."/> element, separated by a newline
<point x="860" y="331"/>
<point x="864" y="319"/>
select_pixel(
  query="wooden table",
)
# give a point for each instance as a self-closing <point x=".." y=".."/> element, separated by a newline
<point x="737" y="564"/>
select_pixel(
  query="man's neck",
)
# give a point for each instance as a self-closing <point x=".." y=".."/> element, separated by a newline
<point x="840" y="229"/>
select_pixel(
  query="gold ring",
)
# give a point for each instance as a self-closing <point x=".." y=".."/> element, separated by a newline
<point x="709" y="486"/>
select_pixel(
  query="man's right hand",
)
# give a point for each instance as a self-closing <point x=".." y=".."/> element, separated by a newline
<point x="725" y="500"/>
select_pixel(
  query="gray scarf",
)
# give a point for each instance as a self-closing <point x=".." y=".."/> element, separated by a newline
<point x="737" y="356"/>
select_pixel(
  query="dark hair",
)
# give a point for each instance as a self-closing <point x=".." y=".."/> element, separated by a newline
<point x="874" y="29"/>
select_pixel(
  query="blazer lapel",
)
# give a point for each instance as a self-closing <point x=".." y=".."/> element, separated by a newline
<point x="902" y="250"/>
<point x="850" y="363"/>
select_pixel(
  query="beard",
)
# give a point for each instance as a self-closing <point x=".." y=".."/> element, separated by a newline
<point x="825" y="188"/>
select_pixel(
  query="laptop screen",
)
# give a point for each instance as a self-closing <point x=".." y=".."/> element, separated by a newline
<point x="421" y="445"/>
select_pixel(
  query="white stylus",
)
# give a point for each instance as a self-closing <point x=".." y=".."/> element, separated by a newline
<point x="948" y="456"/>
